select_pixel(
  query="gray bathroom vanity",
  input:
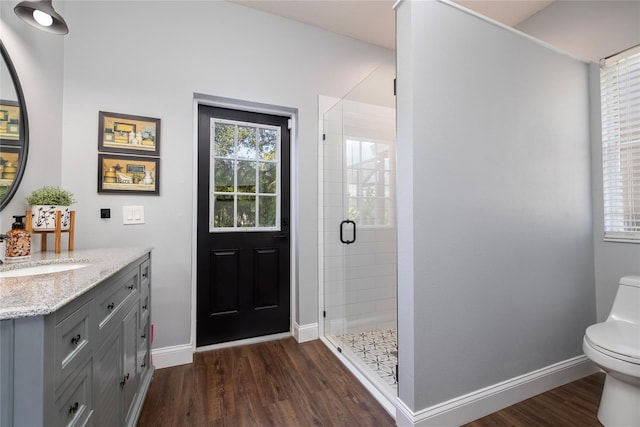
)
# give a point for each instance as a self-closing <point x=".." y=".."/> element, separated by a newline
<point x="75" y="343"/>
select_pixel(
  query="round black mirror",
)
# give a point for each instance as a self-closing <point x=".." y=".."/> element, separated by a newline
<point x="14" y="130"/>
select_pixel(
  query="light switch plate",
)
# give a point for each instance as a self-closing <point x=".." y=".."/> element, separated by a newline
<point x="132" y="215"/>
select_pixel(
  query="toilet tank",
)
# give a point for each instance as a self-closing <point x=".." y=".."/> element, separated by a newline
<point x="626" y="306"/>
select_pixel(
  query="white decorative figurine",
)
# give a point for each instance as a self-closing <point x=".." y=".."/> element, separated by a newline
<point x="135" y="139"/>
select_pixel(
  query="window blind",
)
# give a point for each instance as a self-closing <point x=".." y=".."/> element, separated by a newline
<point x="620" y="99"/>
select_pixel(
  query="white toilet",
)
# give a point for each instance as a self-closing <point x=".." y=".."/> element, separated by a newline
<point x="614" y="346"/>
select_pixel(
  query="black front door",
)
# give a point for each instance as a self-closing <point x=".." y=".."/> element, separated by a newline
<point x="243" y="254"/>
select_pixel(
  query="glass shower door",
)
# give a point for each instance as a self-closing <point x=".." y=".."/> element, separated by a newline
<point x="333" y="250"/>
<point x="359" y="232"/>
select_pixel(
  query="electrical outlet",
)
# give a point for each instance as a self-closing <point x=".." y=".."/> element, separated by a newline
<point x="132" y="215"/>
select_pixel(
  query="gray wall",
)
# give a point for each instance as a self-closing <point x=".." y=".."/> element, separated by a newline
<point x="148" y="58"/>
<point x="495" y="243"/>
<point x="38" y="59"/>
<point x="594" y="30"/>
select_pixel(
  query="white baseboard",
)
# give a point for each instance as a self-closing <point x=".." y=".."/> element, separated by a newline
<point x="304" y="333"/>
<point x="167" y="357"/>
<point x="480" y="403"/>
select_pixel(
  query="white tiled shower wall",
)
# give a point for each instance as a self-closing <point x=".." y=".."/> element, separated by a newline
<point x="359" y="279"/>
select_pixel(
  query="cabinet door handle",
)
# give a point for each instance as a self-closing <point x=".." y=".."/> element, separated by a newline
<point x="144" y="307"/>
<point x="143" y="336"/>
<point x="74" y="408"/>
<point x="145" y="275"/>
<point x="75" y="340"/>
<point x="130" y="287"/>
<point x="110" y="306"/>
<point x="143" y="365"/>
<point x="124" y="380"/>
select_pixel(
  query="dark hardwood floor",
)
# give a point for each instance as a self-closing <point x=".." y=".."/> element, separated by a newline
<point x="277" y="383"/>
<point x="571" y="405"/>
<point x="282" y="383"/>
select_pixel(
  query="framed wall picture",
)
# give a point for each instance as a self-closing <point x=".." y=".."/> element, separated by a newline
<point x="9" y="164"/>
<point x="9" y="121"/>
<point x="128" y="174"/>
<point x="124" y="133"/>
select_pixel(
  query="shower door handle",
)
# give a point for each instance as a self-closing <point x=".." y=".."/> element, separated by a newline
<point x="347" y="242"/>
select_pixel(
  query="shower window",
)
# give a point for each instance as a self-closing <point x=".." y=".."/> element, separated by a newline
<point x="619" y="86"/>
<point x="369" y="194"/>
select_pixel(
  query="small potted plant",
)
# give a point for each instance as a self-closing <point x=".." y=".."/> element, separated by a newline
<point x="136" y="177"/>
<point x="45" y="202"/>
<point x="148" y="135"/>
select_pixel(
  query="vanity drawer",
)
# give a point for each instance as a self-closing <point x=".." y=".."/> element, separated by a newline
<point x="72" y="343"/>
<point x="145" y="276"/>
<point x="74" y="406"/>
<point x="110" y="302"/>
<point x="144" y="309"/>
<point x="142" y="362"/>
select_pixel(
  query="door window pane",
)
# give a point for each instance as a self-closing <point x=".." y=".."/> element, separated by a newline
<point x="269" y="141"/>
<point x="244" y="176"/>
<point x="223" y="211"/>
<point x="268" y="177"/>
<point x="246" y="142"/>
<point x="246" y="211"/>
<point x="224" y="140"/>
<point x="267" y="216"/>
<point x="224" y="170"/>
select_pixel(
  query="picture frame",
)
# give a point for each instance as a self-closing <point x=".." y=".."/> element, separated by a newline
<point x="128" y="174"/>
<point x="126" y="133"/>
<point x="9" y="121"/>
<point x="10" y="159"/>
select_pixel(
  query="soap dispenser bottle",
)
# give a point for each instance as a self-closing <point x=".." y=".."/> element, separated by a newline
<point x="18" y="243"/>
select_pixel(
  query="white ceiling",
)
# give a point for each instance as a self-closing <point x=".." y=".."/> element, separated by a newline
<point x="510" y="13"/>
<point x="373" y="21"/>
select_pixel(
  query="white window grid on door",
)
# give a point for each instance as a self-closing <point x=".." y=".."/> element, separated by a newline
<point x="236" y="158"/>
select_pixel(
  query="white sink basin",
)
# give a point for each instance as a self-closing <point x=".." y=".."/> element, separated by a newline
<point x="41" y="269"/>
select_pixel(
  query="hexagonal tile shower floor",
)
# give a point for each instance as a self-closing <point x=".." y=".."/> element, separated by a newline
<point x="378" y="349"/>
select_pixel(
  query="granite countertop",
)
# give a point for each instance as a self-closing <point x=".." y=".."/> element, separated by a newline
<point x="41" y="294"/>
